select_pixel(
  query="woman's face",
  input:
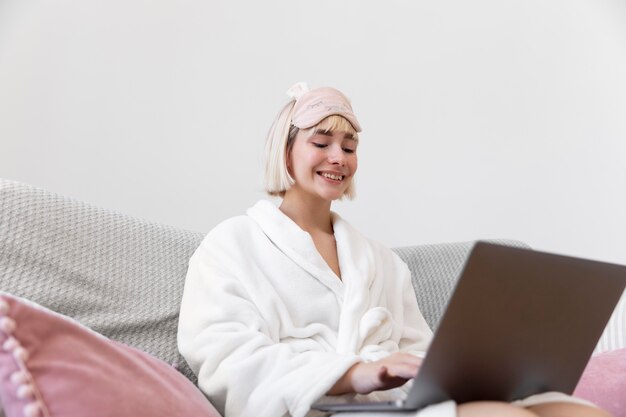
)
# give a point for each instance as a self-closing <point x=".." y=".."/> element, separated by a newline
<point x="323" y="164"/>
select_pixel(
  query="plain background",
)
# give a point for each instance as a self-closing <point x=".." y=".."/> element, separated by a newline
<point x="482" y="119"/>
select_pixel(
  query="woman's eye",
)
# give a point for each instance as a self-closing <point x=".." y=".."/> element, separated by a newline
<point x="348" y="150"/>
<point x="319" y="145"/>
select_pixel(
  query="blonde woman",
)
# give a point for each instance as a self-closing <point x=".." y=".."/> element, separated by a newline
<point x="289" y="303"/>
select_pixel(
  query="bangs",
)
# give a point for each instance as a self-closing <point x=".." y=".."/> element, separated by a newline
<point x="334" y="123"/>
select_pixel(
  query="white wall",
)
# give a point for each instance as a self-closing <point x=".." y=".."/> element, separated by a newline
<point x="481" y="119"/>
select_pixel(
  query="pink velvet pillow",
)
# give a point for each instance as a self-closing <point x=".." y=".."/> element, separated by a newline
<point x="50" y="366"/>
<point x="604" y="382"/>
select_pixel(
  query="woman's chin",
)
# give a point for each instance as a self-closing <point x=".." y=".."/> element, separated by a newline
<point x="332" y="196"/>
<point x="325" y="193"/>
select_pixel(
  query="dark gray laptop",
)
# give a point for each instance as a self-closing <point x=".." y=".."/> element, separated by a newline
<point x="519" y="322"/>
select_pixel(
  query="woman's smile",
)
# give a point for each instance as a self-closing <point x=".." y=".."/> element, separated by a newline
<point x="331" y="177"/>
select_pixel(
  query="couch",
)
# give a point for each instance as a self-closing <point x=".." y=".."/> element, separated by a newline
<point x="123" y="277"/>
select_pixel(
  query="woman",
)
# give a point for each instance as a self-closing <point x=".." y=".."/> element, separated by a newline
<point x="287" y="304"/>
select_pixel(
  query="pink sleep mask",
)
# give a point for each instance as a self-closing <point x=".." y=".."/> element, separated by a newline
<point x="313" y="106"/>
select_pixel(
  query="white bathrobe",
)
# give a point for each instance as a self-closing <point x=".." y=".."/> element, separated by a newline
<point x="269" y="328"/>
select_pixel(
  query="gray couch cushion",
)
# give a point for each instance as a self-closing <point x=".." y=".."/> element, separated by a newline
<point x="121" y="276"/>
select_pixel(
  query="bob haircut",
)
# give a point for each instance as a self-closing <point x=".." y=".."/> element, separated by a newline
<point x="280" y="141"/>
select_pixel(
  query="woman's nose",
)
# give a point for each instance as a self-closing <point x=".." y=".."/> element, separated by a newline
<point x="337" y="156"/>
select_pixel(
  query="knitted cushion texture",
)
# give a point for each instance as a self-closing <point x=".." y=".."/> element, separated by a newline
<point x="120" y="276"/>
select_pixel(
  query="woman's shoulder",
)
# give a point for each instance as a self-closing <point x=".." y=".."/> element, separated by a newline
<point x="230" y="230"/>
<point x="240" y="230"/>
<point x="386" y="253"/>
<point x="231" y="225"/>
<point x="377" y="249"/>
<point x="228" y="233"/>
<point x="228" y="241"/>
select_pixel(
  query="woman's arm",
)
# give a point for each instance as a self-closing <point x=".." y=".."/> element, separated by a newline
<point x="240" y="363"/>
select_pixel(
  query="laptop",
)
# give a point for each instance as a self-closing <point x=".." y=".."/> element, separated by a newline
<point x="519" y="322"/>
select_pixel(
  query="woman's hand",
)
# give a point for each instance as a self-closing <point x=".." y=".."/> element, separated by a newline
<point x="387" y="373"/>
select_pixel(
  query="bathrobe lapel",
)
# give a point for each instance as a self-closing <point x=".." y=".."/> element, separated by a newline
<point x="356" y="262"/>
<point x="295" y="243"/>
<point x="357" y="270"/>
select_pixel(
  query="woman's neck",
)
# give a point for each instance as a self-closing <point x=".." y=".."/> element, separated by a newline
<point x="311" y="214"/>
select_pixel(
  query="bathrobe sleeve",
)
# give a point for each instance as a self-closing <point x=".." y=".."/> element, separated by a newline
<point x="416" y="335"/>
<point x="241" y="364"/>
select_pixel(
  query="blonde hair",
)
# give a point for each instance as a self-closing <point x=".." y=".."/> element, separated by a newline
<point x="280" y="141"/>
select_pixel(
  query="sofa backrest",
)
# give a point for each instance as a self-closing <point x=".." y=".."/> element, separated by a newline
<point x="123" y="277"/>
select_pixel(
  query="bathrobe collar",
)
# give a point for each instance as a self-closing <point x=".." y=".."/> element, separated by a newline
<point x="298" y="245"/>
